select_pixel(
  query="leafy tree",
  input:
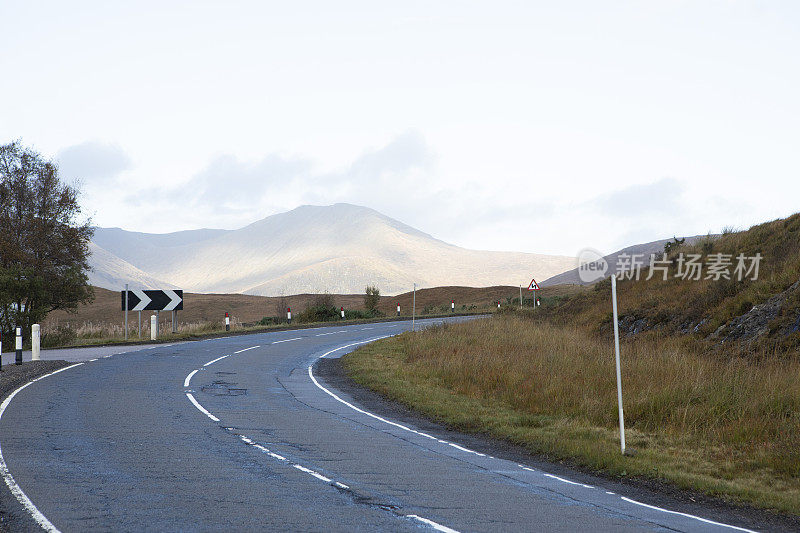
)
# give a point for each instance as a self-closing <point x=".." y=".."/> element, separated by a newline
<point x="44" y="247"/>
<point x="372" y="296"/>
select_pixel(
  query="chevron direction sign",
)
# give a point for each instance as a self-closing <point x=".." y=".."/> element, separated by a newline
<point x="155" y="300"/>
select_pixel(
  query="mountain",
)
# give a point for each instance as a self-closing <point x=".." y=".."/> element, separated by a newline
<point x="339" y="249"/>
<point x="644" y="250"/>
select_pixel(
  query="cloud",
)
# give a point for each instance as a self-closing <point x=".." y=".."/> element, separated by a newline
<point x="659" y="198"/>
<point x="92" y="162"/>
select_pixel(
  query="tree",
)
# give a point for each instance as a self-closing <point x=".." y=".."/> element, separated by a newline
<point x="371" y="298"/>
<point x="44" y="247"/>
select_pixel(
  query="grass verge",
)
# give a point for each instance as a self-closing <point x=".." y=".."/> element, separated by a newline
<point x="729" y="427"/>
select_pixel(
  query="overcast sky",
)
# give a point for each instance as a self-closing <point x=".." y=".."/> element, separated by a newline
<point x="530" y="126"/>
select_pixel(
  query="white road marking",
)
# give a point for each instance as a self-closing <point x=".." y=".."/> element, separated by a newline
<point x="342" y="485"/>
<point x="434" y="525"/>
<point x="350" y="405"/>
<point x="215" y="360"/>
<point x="406" y="428"/>
<point x="568" y="481"/>
<point x="323" y="334"/>
<point x="201" y="408"/>
<point x="313" y="473"/>
<point x="15" y="489"/>
<point x="250" y="348"/>
<point x="92" y="360"/>
<point x="189" y="377"/>
<point x="706" y="520"/>
<point x="288" y="340"/>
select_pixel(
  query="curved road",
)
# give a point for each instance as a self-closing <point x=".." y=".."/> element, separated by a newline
<point x="238" y="434"/>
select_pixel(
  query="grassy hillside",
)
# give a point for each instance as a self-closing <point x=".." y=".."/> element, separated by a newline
<point x="719" y="311"/>
<point x="710" y="370"/>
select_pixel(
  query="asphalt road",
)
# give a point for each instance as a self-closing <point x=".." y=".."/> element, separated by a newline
<point x="236" y="433"/>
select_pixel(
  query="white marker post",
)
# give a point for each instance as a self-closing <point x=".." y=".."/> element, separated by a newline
<point x="398" y="309"/>
<point x="342" y="312"/>
<point x="19" y="346"/>
<point x="619" y="371"/>
<point x="498" y="304"/>
<point x="289" y="314"/>
<point x="153" y="328"/>
<point x="35" y="342"/>
<point x="414" y="308"/>
<point x="227" y="322"/>
<point x="452" y="306"/>
<point x="520" y="296"/>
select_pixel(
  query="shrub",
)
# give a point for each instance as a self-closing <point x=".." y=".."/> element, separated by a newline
<point x="62" y="336"/>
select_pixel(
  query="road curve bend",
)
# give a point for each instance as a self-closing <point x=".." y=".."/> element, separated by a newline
<point x="238" y="433"/>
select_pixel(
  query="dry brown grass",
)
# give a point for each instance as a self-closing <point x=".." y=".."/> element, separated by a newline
<point x="727" y="426"/>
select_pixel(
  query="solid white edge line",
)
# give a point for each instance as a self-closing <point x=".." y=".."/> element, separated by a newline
<point x="15" y="489"/>
<point x="434" y="525"/>
<point x="288" y="340"/>
<point x="201" y="408"/>
<point x="350" y="405"/>
<point x="687" y="515"/>
<point x="189" y="377"/>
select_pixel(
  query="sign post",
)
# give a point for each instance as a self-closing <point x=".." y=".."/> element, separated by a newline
<point x="619" y="371"/>
<point x="125" y="308"/>
<point x="534" y="287"/>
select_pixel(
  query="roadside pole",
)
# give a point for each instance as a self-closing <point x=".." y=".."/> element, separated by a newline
<point x="140" y="325"/>
<point x="19" y="346"/>
<point x="153" y="327"/>
<point x="35" y="341"/>
<point x="520" y="296"/>
<point x="126" y="311"/>
<point x="174" y="326"/>
<point x="227" y="322"/>
<point x="414" y="308"/>
<point x="619" y="372"/>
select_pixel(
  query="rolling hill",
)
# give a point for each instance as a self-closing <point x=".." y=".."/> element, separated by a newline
<point x="312" y="249"/>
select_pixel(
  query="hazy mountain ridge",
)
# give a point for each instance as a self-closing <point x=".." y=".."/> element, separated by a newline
<point x="338" y="248"/>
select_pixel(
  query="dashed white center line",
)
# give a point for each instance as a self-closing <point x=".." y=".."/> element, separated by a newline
<point x="201" y="408"/>
<point x="288" y="340"/>
<point x="215" y="360"/>
<point x="323" y="334"/>
<point x="250" y="348"/>
<point x="189" y="377"/>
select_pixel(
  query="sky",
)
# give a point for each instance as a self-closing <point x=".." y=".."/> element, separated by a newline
<point x="529" y="126"/>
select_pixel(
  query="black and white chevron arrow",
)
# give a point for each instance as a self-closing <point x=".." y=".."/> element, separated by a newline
<point x="153" y="300"/>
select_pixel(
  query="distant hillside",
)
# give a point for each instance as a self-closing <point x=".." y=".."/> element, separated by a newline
<point x="656" y="247"/>
<point x="338" y="249"/>
<point x="764" y="312"/>
<point x="247" y="308"/>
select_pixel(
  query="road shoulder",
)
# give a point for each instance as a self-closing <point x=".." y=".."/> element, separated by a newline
<point x="652" y="492"/>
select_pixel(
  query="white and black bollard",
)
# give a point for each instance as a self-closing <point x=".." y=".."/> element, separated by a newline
<point x="342" y="313"/>
<point x="227" y="322"/>
<point x="498" y="305"/>
<point x="19" y="346"/>
<point x="398" y="309"/>
<point x="452" y="306"/>
<point x="35" y="342"/>
<point x="289" y="315"/>
<point x="153" y="327"/>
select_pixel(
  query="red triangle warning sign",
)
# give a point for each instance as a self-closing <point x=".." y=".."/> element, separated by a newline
<point x="534" y="286"/>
